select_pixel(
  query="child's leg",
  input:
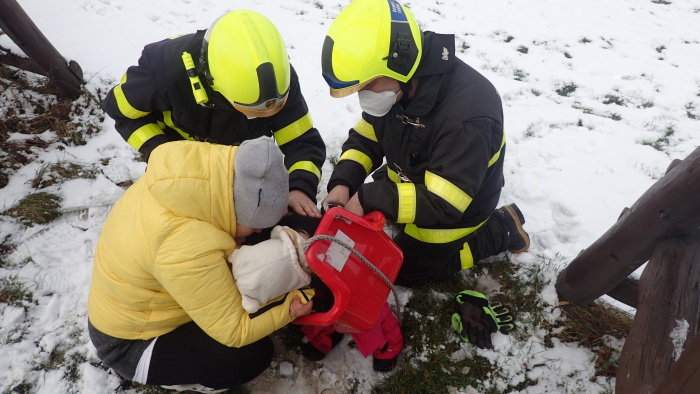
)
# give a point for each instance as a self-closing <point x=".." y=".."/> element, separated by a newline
<point x="188" y="355"/>
<point x="384" y="341"/>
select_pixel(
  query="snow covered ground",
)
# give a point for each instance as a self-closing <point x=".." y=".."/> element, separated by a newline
<point x="589" y="88"/>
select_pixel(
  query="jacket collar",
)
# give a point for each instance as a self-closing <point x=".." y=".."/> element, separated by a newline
<point x="436" y="63"/>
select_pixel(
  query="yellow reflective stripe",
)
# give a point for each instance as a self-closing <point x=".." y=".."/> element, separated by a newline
<point x="124" y="107"/>
<point x="465" y="257"/>
<point x="366" y="130"/>
<point x="359" y="157"/>
<point x="393" y="176"/>
<point x="306" y="166"/>
<point x="447" y="190"/>
<point x="498" y="154"/>
<point x="407" y="203"/>
<point x="439" y="235"/>
<point x="143" y="134"/>
<point x="168" y="119"/>
<point x="294" y="130"/>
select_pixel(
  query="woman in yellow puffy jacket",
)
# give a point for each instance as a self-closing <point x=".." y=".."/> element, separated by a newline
<point x="163" y="306"/>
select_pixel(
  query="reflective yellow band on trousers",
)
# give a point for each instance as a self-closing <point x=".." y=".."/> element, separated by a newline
<point x="359" y="157"/>
<point x="306" y="166"/>
<point x="407" y="203"/>
<point x="439" y="235"/>
<point x="366" y="130"/>
<point x="143" y="134"/>
<point x="294" y="130"/>
<point x="465" y="256"/>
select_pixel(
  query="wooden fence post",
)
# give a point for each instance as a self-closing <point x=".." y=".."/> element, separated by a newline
<point x="66" y="76"/>
<point x="669" y="208"/>
<point x="669" y="293"/>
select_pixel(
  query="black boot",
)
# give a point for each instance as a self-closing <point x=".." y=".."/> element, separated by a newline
<point x="518" y="239"/>
<point x="310" y="352"/>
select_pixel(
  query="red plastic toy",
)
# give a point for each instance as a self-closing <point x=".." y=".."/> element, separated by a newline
<point x="360" y="293"/>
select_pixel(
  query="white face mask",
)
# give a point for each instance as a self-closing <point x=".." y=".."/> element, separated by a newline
<point x="378" y="104"/>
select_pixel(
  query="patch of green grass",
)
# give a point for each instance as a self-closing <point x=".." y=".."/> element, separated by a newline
<point x="36" y="208"/>
<point x="5" y="248"/>
<point x="22" y="388"/>
<point x="523" y="49"/>
<point x="567" y="89"/>
<point x="13" y="292"/>
<point x="509" y="39"/>
<point x="647" y="104"/>
<point x="445" y="361"/>
<point x="588" y="326"/>
<point x="689" y="111"/>
<point x="520" y="75"/>
<point x="613" y="99"/>
<point x="585" y="40"/>
<point x="663" y="141"/>
<point x="57" y="173"/>
<point x="333" y="160"/>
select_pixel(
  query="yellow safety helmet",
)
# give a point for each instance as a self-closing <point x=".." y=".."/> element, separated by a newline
<point x="370" y="39"/>
<point x="244" y="58"/>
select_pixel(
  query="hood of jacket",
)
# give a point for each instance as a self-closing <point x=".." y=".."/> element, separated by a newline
<point x="177" y="177"/>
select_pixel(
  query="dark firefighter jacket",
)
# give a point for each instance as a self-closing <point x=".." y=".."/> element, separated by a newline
<point x="444" y="149"/>
<point x="154" y="104"/>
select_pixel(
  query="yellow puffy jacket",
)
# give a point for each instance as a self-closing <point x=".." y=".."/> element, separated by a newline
<point x="161" y="258"/>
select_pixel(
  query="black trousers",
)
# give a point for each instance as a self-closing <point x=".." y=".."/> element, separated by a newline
<point x="188" y="355"/>
<point x="431" y="262"/>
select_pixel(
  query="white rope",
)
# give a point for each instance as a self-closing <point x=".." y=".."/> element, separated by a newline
<point x="342" y="243"/>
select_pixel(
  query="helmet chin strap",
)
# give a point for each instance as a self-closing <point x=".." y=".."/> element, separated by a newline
<point x="406" y="88"/>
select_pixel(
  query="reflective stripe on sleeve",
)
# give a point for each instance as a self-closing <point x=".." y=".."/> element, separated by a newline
<point x="407" y="203"/>
<point x="306" y="166"/>
<point x="366" y="130"/>
<point x="294" y="130"/>
<point x="168" y="119"/>
<point x="124" y="106"/>
<point x="358" y="157"/>
<point x="143" y="134"/>
<point x="447" y="191"/>
<point x="393" y="176"/>
<point x="498" y="154"/>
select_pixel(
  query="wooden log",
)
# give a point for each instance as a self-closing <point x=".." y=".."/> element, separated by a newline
<point x="669" y="293"/>
<point x="669" y="208"/>
<point x="626" y="292"/>
<point x="21" y="29"/>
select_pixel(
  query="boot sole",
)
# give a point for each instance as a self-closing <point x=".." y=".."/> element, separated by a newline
<point x="519" y="225"/>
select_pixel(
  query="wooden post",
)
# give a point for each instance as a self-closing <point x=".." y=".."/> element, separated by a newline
<point x="669" y="208"/>
<point x="669" y="293"/>
<point x="66" y="76"/>
<point x="685" y="373"/>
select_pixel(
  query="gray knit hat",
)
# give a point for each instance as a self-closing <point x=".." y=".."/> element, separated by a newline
<point x="260" y="183"/>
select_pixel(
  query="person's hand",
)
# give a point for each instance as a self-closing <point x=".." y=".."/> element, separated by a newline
<point x="339" y="195"/>
<point x="298" y="308"/>
<point x="302" y="204"/>
<point x="354" y="206"/>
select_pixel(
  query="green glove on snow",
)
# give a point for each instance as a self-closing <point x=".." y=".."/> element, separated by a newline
<point x="478" y="319"/>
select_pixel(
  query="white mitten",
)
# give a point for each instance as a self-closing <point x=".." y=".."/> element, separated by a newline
<point x="269" y="269"/>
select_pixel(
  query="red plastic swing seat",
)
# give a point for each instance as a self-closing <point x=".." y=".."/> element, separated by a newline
<point x="359" y="292"/>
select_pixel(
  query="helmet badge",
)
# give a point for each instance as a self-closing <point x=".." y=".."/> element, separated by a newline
<point x="270" y="103"/>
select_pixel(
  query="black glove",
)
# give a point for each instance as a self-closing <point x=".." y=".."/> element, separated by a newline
<point x="478" y="319"/>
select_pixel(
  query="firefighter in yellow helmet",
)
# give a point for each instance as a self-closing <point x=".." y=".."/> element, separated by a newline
<point x="439" y="125"/>
<point x="227" y="84"/>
